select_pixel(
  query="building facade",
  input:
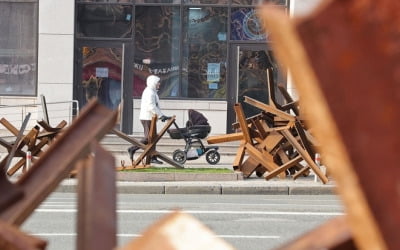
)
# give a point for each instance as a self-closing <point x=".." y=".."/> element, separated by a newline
<point x="208" y="53"/>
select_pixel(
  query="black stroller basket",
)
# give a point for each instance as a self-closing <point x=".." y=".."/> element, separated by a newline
<point x="197" y="131"/>
<point x="194" y="147"/>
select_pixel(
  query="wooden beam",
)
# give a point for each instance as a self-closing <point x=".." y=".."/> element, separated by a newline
<point x="269" y="108"/>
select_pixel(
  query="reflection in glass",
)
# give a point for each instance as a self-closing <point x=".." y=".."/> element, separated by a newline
<point x="101" y="77"/>
<point x="104" y="20"/>
<point x="257" y="2"/>
<point x="158" y="1"/>
<point x="18" y="48"/>
<point x="204" y="53"/>
<point x="245" y="25"/>
<point x="253" y="77"/>
<point x="105" y="1"/>
<point x="157" y="39"/>
<point x="206" y="2"/>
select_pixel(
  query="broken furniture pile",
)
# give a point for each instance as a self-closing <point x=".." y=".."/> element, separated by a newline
<point x="276" y="141"/>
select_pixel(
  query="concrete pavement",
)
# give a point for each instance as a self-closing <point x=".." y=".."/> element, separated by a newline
<point x="252" y="185"/>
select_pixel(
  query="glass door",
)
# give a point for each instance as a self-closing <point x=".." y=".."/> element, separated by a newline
<point x="102" y="75"/>
<point x="99" y="74"/>
<point x="249" y="77"/>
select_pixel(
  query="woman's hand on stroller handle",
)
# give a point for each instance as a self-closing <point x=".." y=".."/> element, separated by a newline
<point x="163" y="118"/>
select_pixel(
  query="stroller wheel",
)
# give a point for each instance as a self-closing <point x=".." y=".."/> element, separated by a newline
<point x="179" y="156"/>
<point x="213" y="157"/>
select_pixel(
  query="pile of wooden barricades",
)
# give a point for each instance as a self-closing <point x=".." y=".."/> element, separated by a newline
<point x="275" y="142"/>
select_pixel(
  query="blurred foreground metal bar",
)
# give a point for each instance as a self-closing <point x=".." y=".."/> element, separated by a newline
<point x="97" y="216"/>
<point x="344" y="61"/>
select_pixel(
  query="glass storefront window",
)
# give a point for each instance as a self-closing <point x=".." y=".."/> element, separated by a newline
<point x="18" y="48"/>
<point x="219" y="2"/>
<point x="245" y="25"/>
<point x="257" y="2"/>
<point x="105" y="20"/>
<point x="158" y="1"/>
<point x="105" y="1"/>
<point x="157" y="46"/>
<point x="204" y="52"/>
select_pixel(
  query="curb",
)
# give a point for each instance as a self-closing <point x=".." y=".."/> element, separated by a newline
<point x="160" y="176"/>
<point x="214" y="187"/>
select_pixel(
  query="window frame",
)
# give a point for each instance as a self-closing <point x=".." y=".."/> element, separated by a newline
<point x="35" y="18"/>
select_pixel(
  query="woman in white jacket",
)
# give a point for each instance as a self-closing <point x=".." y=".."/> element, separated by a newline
<point x="149" y="106"/>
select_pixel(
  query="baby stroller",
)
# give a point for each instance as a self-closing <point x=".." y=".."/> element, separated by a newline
<point x="197" y="128"/>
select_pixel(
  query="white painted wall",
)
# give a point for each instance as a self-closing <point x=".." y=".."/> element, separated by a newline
<point x="299" y="9"/>
<point x="56" y="49"/>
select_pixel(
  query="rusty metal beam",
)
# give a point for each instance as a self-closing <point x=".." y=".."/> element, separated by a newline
<point x="344" y="62"/>
<point x="57" y="162"/>
<point x="332" y="235"/>
<point x="11" y="238"/>
<point x="97" y="217"/>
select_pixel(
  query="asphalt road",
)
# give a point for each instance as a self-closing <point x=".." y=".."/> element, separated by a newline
<point x="247" y="222"/>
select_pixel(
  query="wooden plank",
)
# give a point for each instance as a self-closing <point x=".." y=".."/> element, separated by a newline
<point x="290" y="103"/>
<point x="269" y="108"/>
<point x="243" y="123"/>
<point x="283" y="167"/>
<point x="225" y="138"/>
<point x="301" y="172"/>
<point x="272" y="140"/>
<point x="239" y="156"/>
<point x="9" y="126"/>
<point x="264" y="158"/>
<point x="303" y="139"/>
<point x="305" y="156"/>
<point x="249" y="166"/>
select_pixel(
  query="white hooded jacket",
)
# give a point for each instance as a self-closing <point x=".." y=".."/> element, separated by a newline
<point x="150" y="102"/>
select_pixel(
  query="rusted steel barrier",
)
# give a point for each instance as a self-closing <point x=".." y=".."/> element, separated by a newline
<point x="344" y="61"/>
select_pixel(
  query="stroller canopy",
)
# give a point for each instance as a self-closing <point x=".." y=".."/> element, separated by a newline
<point x="196" y="118"/>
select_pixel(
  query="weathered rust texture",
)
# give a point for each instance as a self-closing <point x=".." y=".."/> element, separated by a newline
<point x="57" y="162"/>
<point x="354" y="49"/>
<point x="344" y="60"/>
<point x="334" y="235"/>
<point x="11" y="238"/>
<point x="97" y="216"/>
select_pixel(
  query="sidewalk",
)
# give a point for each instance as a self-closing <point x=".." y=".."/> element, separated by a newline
<point x="252" y="186"/>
